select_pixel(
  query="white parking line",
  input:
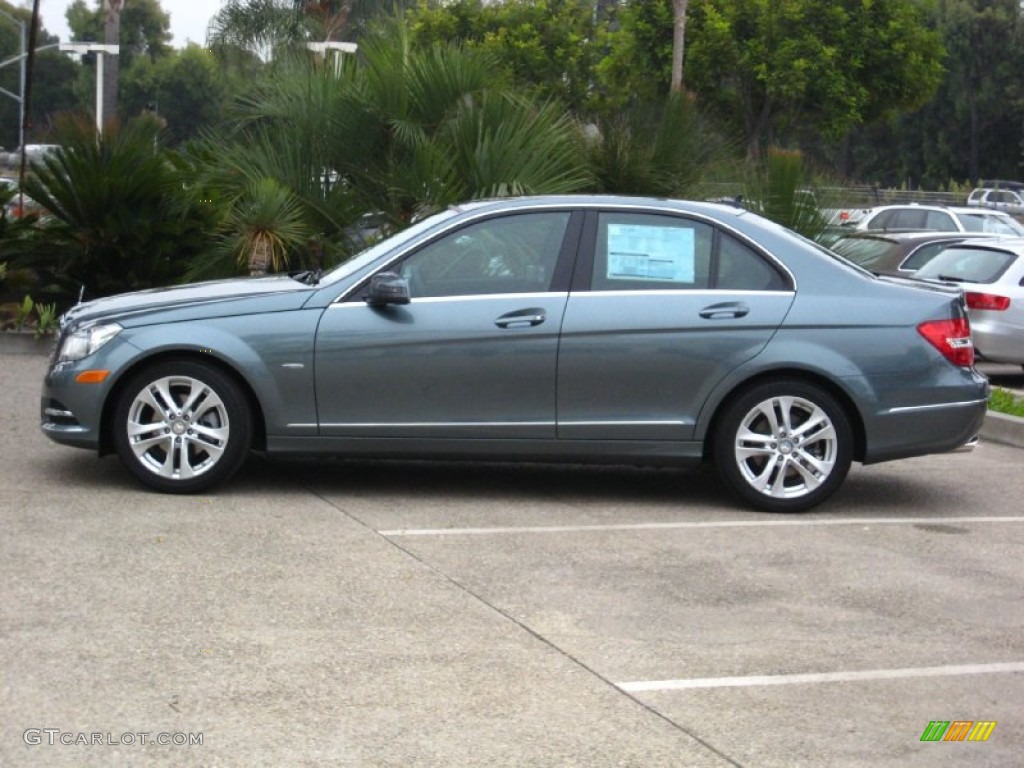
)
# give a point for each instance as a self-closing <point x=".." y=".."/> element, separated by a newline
<point x="820" y="677"/>
<point x="697" y="524"/>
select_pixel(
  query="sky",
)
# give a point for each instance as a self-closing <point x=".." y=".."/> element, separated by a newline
<point x="189" y="18"/>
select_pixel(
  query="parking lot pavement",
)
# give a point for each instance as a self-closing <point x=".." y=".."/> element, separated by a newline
<point x="421" y="614"/>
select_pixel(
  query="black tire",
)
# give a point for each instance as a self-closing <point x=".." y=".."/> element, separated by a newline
<point x="198" y="439"/>
<point x="780" y="469"/>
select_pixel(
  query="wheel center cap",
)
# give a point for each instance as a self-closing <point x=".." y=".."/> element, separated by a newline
<point x="178" y="428"/>
<point x="786" y="447"/>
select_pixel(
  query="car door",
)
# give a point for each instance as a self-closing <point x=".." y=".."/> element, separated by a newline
<point x="662" y="308"/>
<point x="472" y="355"/>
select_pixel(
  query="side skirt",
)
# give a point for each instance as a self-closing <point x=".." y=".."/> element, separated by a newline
<point x="648" y="452"/>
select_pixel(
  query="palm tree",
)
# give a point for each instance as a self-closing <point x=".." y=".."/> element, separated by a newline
<point x="263" y="225"/>
<point x="678" y="43"/>
<point x="397" y="131"/>
<point x="779" y="189"/>
<point x="265" y="27"/>
<point x="655" y="149"/>
<point x="115" y="223"/>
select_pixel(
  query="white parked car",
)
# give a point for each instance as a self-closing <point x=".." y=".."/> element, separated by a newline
<point x="991" y="274"/>
<point x="1009" y="199"/>
<point x="940" y="218"/>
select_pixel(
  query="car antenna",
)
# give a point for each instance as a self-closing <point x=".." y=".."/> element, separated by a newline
<point x="81" y="293"/>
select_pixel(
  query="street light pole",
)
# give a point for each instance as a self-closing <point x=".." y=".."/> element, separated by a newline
<point x="99" y="49"/>
<point x="338" y="48"/>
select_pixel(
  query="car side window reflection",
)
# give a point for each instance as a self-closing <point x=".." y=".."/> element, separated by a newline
<point x="510" y="254"/>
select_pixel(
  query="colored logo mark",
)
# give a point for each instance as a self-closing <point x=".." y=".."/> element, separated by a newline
<point x="958" y="730"/>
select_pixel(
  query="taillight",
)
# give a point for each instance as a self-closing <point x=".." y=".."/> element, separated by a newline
<point x="952" y="338"/>
<point x="987" y="301"/>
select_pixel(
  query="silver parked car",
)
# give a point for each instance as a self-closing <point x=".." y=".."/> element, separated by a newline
<point x="583" y="329"/>
<point x="940" y="218"/>
<point x="991" y="273"/>
<point x="1004" y="196"/>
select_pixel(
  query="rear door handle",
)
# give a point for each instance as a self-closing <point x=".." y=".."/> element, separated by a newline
<point x="725" y="311"/>
<point x="521" y="318"/>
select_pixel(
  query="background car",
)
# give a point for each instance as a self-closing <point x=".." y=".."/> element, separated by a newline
<point x="894" y="253"/>
<point x="14" y="205"/>
<point x="583" y="329"/>
<point x="991" y="272"/>
<point x="1006" y="196"/>
<point x="940" y="218"/>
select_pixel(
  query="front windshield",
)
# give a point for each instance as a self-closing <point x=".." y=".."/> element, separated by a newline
<point x="377" y="250"/>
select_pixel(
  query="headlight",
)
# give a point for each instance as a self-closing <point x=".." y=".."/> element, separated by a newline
<point x="83" y="342"/>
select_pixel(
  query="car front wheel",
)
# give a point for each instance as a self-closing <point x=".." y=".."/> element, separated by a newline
<point x="784" y="446"/>
<point x="182" y="426"/>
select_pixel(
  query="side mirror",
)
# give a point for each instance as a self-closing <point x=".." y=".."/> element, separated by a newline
<point x="387" y="288"/>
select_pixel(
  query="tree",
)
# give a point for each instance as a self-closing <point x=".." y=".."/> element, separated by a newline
<point x="974" y="126"/>
<point x="264" y="27"/>
<point x="636" y="65"/>
<point x="111" y="36"/>
<point x="661" y="149"/>
<point x="678" y="43"/>
<point x="187" y="89"/>
<point x="784" y="66"/>
<point x="551" y="45"/>
<point x="118" y="223"/>
<point x="400" y="130"/>
<point x="144" y="28"/>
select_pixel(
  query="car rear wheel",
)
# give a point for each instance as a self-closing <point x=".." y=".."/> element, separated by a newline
<point x="182" y="426"/>
<point x="784" y="446"/>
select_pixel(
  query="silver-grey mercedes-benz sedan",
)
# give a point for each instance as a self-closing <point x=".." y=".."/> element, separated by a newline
<point x="582" y="329"/>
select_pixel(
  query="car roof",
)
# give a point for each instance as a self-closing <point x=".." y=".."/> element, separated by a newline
<point x="966" y="210"/>
<point x="911" y="235"/>
<point x="1000" y="184"/>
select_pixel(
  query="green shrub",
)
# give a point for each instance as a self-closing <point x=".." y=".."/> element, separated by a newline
<point x="1004" y="401"/>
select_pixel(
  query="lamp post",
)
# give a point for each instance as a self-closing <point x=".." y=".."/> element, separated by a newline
<point x="99" y="49"/>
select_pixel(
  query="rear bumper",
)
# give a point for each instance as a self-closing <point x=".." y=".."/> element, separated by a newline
<point x="920" y="430"/>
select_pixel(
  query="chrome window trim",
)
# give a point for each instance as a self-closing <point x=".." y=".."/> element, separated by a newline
<point x="679" y="292"/>
<point x="468" y="297"/>
<point x="570" y="206"/>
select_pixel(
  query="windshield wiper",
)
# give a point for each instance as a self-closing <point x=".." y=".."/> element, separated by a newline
<point x="309" y="276"/>
<point x="954" y="279"/>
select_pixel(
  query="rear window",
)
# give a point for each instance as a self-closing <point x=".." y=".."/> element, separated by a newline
<point x="969" y="265"/>
<point x="1000" y="225"/>
<point x="923" y="255"/>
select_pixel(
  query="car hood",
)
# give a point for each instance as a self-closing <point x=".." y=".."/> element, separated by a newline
<point x="209" y="299"/>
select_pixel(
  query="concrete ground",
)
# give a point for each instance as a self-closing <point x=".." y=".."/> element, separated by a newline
<point x="415" y="614"/>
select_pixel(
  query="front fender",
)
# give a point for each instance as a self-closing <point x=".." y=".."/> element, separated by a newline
<point x="273" y="355"/>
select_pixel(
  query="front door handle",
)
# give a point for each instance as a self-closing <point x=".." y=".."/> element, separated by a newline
<point x="522" y="318"/>
<point x="725" y="311"/>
